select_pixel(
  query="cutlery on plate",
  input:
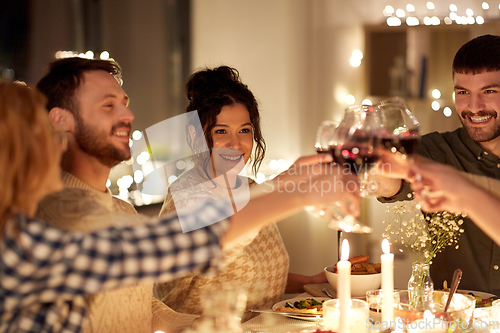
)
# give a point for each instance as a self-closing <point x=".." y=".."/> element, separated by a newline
<point x="309" y="315"/>
<point x="326" y="292"/>
<point x="457" y="275"/>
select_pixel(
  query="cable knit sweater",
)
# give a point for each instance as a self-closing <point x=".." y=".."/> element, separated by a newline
<point x="258" y="264"/>
<point x="81" y="208"/>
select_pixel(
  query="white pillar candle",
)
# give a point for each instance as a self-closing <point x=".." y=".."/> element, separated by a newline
<point x="387" y="260"/>
<point x="344" y="287"/>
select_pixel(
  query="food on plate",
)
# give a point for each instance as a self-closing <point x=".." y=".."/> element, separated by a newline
<point x="309" y="305"/>
<point x="361" y="266"/>
<point x="480" y="302"/>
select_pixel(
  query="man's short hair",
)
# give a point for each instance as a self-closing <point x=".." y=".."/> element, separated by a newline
<point x="481" y="54"/>
<point x="65" y="76"/>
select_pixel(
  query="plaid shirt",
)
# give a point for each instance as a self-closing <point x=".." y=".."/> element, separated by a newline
<point x="44" y="271"/>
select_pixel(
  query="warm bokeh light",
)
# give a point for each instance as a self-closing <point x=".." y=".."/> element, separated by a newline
<point x="356" y="57"/>
<point x="469" y="12"/>
<point x="354" y="62"/>
<point x="410" y="8"/>
<point x="453" y="8"/>
<point x="125" y="182"/>
<point x="143" y="158"/>
<point x="388" y="10"/>
<point x="479" y="20"/>
<point x="435" y="105"/>
<point x="400" y="12"/>
<point x="138" y="176"/>
<point x="350" y="99"/>
<point x="273" y="164"/>
<point x="393" y="21"/>
<point x="104" y="55"/>
<point x="427" y="20"/>
<point x="137" y="135"/>
<point x="435" y="20"/>
<point x="436" y="94"/>
<point x="260" y="178"/>
<point x="485" y="6"/>
<point x="180" y="165"/>
<point x="447" y="112"/>
<point x="357" y="54"/>
<point x="366" y="101"/>
<point x="430" y="5"/>
<point x="448" y="20"/>
<point x="412" y="21"/>
<point x="282" y="164"/>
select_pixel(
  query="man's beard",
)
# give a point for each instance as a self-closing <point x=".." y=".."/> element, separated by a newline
<point x="93" y="142"/>
<point x="479" y="134"/>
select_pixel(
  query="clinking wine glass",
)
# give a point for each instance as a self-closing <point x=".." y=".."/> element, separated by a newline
<point x="402" y="127"/>
<point x="357" y="147"/>
<point x="325" y="136"/>
<point x="402" y="130"/>
<point x="327" y="141"/>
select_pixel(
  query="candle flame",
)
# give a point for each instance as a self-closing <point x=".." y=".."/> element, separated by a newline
<point x="386" y="248"/>
<point x="428" y="315"/>
<point x="345" y="250"/>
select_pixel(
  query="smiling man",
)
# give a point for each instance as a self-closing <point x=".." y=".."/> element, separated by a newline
<point x="87" y="104"/>
<point x="473" y="148"/>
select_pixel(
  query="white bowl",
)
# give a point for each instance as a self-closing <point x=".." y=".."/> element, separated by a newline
<point x="360" y="284"/>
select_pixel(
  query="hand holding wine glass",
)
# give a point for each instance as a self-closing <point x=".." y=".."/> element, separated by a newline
<point x="328" y="140"/>
<point x="403" y="132"/>
<point x="357" y="147"/>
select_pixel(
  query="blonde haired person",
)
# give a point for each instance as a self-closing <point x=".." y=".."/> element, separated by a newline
<point x="46" y="272"/>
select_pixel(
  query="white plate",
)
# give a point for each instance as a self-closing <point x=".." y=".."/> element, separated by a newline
<point x="293" y="300"/>
<point x="481" y="294"/>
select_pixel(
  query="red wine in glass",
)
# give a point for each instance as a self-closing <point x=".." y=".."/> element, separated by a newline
<point x="357" y="159"/>
<point x="406" y="144"/>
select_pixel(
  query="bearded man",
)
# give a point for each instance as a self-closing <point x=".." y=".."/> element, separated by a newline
<point x="473" y="148"/>
<point x="87" y="104"/>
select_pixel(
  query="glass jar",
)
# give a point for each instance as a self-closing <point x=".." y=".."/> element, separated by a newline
<point x="420" y="287"/>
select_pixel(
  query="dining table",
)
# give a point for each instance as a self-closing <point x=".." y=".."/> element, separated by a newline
<point x="278" y="323"/>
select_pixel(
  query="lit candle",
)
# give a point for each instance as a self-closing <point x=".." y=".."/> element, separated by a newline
<point x="427" y="325"/>
<point x="387" y="260"/>
<point x="344" y="286"/>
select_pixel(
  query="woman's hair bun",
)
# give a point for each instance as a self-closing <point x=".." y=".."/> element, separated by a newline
<point x="209" y="82"/>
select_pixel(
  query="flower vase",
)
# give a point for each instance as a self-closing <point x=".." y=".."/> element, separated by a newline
<point x="420" y="287"/>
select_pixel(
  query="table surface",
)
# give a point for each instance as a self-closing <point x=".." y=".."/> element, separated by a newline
<point x="280" y="323"/>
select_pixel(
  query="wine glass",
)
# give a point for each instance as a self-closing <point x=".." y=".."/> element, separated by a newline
<point x="327" y="135"/>
<point x="403" y="128"/>
<point x="357" y="147"/>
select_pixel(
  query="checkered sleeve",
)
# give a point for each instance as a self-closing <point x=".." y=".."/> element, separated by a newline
<point x="44" y="264"/>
